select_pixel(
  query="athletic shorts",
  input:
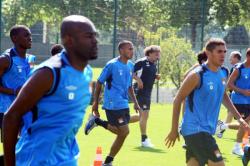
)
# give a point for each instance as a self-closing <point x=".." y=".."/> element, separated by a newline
<point x="1" y="127"/>
<point x="243" y="109"/>
<point x="202" y="146"/>
<point x="118" y="117"/>
<point x="144" y="102"/>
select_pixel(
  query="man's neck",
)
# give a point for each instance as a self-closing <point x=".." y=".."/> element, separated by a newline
<point x="247" y="63"/>
<point x="150" y="59"/>
<point x="75" y="62"/>
<point x="21" y="52"/>
<point x="123" y="59"/>
<point x="212" y="67"/>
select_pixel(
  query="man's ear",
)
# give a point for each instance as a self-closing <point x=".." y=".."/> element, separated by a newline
<point x="14" y="39"/>
<point x="67" y="41"/>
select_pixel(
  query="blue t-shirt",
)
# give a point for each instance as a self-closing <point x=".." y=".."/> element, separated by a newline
<point x="117" y="77"/>
<point x="14" y="77"/>
<point x="207" y="99"/>
<point x="31" y="58"/>
<point x="242" y="82"/>
<point x="50" y="139"/>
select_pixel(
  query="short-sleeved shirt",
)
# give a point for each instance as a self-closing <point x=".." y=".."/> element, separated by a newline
<point x="117" y="77"/>
<point x="146" y="71"/>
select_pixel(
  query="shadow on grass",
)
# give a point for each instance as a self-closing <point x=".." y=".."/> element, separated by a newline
<point x="153" y="150"/>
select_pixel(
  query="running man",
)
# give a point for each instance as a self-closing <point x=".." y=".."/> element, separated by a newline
<point x="56" y="49"/>
<point x="59" y="90"/>
<point x="239" y="82"/>
<point x="201" y="115"/>
<point x="145" y="73"/>
<point x="117" y="76"/>
<point x="14" y="67"/>
<point x="234" y="58"/>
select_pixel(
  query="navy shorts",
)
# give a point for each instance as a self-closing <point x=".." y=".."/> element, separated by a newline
<point x="243" y="109"/>
<point x="144" y="102"/>
<point x="118" y="117"/>
<point x="202" y="146"/>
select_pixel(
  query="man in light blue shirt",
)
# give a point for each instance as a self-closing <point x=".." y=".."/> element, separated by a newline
<point x="204" y="91"/>
<point x="117" y="77"/>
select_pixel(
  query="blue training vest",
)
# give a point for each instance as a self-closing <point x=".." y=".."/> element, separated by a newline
<point x="14" y="77"/>
<point x="50" y="139"/>
<point x="242" y="82"/>
<point x="202" y="116"/>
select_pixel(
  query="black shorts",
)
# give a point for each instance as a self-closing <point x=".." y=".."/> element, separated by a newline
<point x="1" y="127"/>
<point x="243" y="109"/>
<point x="202" y="146"/>
<point x="144" y="102"/>
<point x="118" y="117"/>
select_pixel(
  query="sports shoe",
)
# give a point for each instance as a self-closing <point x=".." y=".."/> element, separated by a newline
<point x="219" y="129"/>
<point x="237" y="150"/>
<point x="246" y="156"/>
<point x="147" y="143"/>
<point x="108" y="164"/>
<point x="90" y="124"/>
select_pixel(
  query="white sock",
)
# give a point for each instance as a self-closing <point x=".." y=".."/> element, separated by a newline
<point x="224" y="126"/>
<point x="238" y="144"/>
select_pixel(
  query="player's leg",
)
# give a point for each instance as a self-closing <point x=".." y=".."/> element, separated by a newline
<point x="120" y="119"/>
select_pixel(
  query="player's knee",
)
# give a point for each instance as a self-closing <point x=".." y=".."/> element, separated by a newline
<point x="124" y="133"/>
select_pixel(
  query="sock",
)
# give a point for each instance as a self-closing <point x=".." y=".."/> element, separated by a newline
<point x="143" y="138"/>
<point x="238" y="144"/>
<point x="102" y="123"/>
<point x="108" y="159"/>
<point x="224" y="126"/>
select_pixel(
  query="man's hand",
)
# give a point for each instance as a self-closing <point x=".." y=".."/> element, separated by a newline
<point x="95" y="109"/>
<point x="137" y="107"/>
<point x="171" y="138"/>
<point x="140" y="84"/>
<point x="157" y="76"/>
<point x="243" y="124"/>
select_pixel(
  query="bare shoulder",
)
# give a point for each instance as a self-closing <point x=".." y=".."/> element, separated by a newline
<point x="4" y="62"/>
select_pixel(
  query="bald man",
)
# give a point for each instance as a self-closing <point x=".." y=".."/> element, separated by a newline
<point x="60" y="95"/>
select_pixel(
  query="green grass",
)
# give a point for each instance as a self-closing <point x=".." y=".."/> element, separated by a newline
<point x="96" y="73"/>
<point x="132" y="154"/>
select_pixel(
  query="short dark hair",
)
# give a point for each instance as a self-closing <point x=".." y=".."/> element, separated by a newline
<point x="55" y="49"/>
<point x="201" y="56"/>
<point x="213" y="42"/>
<point x="16" y="29"/>
<point x="151" y="49"/>
<point x="122" y="43"/>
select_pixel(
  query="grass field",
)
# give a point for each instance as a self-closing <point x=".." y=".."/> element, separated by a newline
<point x="133" y="155"/>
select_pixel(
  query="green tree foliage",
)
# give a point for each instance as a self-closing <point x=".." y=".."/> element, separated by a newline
<point x="176" y="58"/>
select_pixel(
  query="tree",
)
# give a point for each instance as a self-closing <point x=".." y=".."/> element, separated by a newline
<point x="176" y="58"/>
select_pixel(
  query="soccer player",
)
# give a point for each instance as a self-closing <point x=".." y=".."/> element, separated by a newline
<point x="234" y="58"/>
<point x="145" y="74"/>
<point x="204" y="89"/>
<point x="55" y="49"/>
<point x="31" y="60"/>
<point x="14" y="68"/>
<point x="117" y="76"/>
<point x="59" y="90"/>
<point x="239" y="82"/>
